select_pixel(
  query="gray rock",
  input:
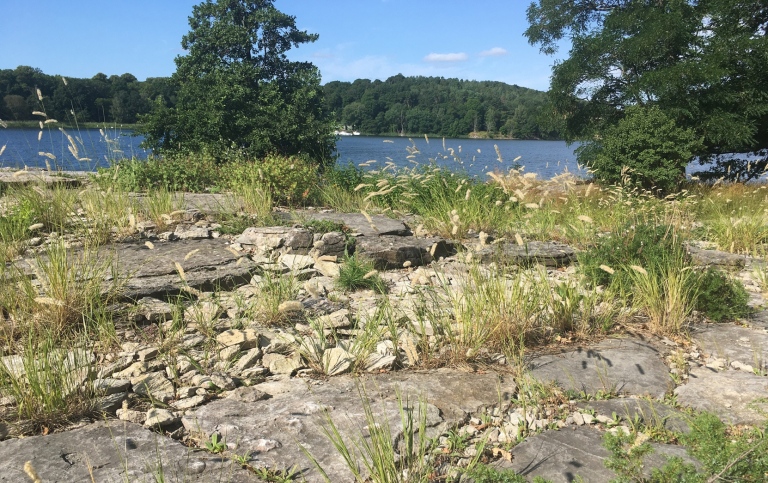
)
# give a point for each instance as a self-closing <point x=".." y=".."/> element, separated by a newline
<point x="295" y="262"/>
<point x="716" y="258"/>
<point x="243" y="339"/>
<point x="358" y="223"/>
<point x="736" y="397"/>
<point x="613" y="365"/>
<point x="111" y="403"/>
<point x="296" y="408"/>
<point x="112" y="452"/>
<point x="187" y="232"/>
<point x="337" y="361"/>
<point x="650" y="413"/>
<point x="332" y="244"/>
<point x="158" y="417"/>
<point x="550" y="254"/>
<point x="188" y="402"/>
<point x="109" y="386"/>
<point x="561" y="456"/>
<point x="281" y="238"/>
<point x="392" y="252"/>
<point x="153" y="273"/>
<point x="733" y="343"/>
<point x="154" y="385"/>
<point x="154" y="310"/>
<point x="280" y="364"/>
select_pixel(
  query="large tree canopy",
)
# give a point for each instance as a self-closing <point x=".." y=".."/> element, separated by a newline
<point x="238" y="90"/>
<point x="703" y="63"/>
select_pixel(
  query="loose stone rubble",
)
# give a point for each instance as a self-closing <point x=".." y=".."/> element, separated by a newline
<point x="256" y="386"/>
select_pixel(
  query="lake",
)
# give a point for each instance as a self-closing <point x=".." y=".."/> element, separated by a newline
<point x="96" y="148"/>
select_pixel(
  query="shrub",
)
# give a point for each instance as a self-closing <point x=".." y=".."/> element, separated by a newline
<point x="651" y="247"/>
<point x="649" y="143"/>
<point x="666" y="287"/>
<point x="194" y="173"/>
<point x="720" y="297"/>
<point x="291" y="180"/>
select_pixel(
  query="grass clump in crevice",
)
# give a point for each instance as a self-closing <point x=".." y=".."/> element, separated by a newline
<point x="50" y="386"/>
<point x="380" y="456"/>
<point x="357" y="273"/>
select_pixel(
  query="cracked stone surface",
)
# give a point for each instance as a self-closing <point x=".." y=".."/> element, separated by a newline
<point x="736" y="397"/>
<point x="358" y="223"/>
<point x="625" y="365"/>
<point x="153" y="273"/>
<point x="550" y="254"/>
<point x="109" y="450"/>
<point x="561" y="456"/>
<point x="748" y="346"/>
<point x="293" y="411"/>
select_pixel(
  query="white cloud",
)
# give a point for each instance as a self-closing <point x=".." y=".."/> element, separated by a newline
<point x="496" y="51"/>
<point x="454" y="57"/>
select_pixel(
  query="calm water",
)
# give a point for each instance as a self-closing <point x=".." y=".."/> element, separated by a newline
<point x="475" y="156"/>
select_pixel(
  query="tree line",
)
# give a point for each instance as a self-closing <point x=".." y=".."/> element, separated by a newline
<point x="438" y="106"/>
<point x="117" y="98"/>
<point x="398" y="105"/>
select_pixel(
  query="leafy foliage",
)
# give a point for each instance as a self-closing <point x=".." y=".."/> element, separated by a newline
<point x="720" y="297"/>
<point x="290" y="180"/>
<point x="659" y="251"/>
<point x="438" y="106"/>
<point x="238" y="90"/>
<point x="647" y="147"/>
<point x="700" y="62"/>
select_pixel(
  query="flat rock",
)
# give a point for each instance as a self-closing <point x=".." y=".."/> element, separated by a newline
<point x="745" y="345"/>
<point x="625" y="365"/>
<point x="549" y="254"/>
<point x="358" y="223"/>
<point x="70" y="179"/>
<point x="292" y="413"/>
<point x="736" y="397"/>
<point x="282" y="238"/>
<point x="392" y="252"/>
<point x="155" y="385"/>
<point x="716" y="258"/>
<point x="564" y="455"/>
<point x="113" y="451"/>
<point x="651" y="413"/>
<point x="207" y="264"/>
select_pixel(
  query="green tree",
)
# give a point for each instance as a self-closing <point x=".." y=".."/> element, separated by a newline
<point x="236" y="88"/>
<point x="646" y="146"/>
<point x="702" y="62"/>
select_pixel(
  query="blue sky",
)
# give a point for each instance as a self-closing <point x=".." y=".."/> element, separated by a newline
<point x="372" y="39"/>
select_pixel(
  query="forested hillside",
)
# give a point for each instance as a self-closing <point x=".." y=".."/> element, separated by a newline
<point x="110" y="99"/>
<point x="398" y="105"/>
<point x="437" y="106"/>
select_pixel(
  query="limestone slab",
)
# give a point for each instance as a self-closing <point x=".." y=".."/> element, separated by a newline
<point x="624" y="365"/>
<point x="116" y="451"/>
<point x="358" y="223"/>
<point x="734" y="343"/>
<point x="294" y="410"/>
<point x="562" y="456"/>
<point x="550" y="254"/>
<point x="207" y="265"/>
<point x="392" y="252"/>
<point x="736" y="397"/>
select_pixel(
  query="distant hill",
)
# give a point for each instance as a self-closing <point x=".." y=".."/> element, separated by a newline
<point x="397" y="106"/>
<point x="441" y="107"/>
<point x="119" y="99"/>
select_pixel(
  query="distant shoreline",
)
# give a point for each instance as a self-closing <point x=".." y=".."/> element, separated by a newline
<point x="66" y="125"/>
